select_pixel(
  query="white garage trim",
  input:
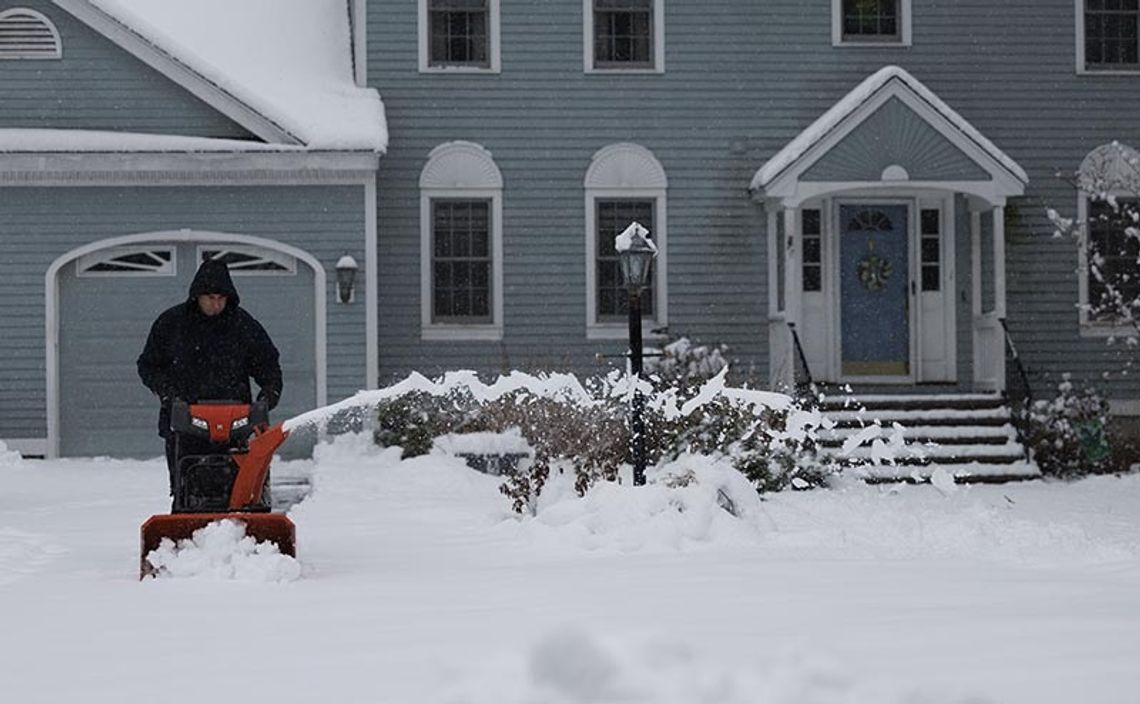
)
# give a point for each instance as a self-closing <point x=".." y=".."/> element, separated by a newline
<point x="51" y="286"/>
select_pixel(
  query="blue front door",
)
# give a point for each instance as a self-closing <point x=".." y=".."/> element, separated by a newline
<point x="873" y="281"/>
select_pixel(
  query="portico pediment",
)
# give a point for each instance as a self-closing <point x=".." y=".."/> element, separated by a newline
<point x="889" y="132"/>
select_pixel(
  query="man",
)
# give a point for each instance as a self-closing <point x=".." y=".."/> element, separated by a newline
<point x="206" y="349"/>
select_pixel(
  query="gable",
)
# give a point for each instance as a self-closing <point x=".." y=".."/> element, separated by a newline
<point x="96" y="85"/>
<point x="894" y="135"/>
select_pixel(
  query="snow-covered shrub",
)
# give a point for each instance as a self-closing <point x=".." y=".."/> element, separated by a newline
<point x="683" y="364"/>
<point x="414" y="420"/>
<point x="1068" y="434"/>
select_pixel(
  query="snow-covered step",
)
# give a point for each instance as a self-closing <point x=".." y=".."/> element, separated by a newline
<point x="940" y="454"/>
<point x="974" y="472"/>
<point x="911" y="401"/>
<point x="999" y="415"/>
<point x="941" y="434"/>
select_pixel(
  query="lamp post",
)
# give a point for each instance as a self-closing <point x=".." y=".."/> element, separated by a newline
<point x="635" y="255"/>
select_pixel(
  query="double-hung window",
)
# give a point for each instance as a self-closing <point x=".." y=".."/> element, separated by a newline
<point x="624" y="35"/>
<point x="871" y="22"/>
<point x="1109" y="34"/>
<point x="1113" y="261"/>
<point x="624" y="184"/>
<point x="459" y="35"/>
<point x="461" y="244"/>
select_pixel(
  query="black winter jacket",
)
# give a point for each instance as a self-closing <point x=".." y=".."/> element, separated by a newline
<point x="195" y="357"/>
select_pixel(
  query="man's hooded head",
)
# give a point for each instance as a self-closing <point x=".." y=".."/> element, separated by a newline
<point x="213" y="277"/>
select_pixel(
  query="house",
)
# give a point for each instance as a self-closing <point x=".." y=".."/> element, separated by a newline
<point x="855" y="190"/>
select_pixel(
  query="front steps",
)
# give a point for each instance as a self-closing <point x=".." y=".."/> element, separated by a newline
<point x="970" y="437"/>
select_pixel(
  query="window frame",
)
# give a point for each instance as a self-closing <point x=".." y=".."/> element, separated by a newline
<point x="626" y="171"/>
<point x="287" y="263"/>
<point x="657" y="37"/>
<point x="489" y="258"/>
<point x="54" y="54"/>
<point x="493" y="38"/>
<point x="1090" y="327"/>
<point x="1082" y="66"/>
<point x="84" y="263"/>
<point x="905" y="32"/>
<point x="460" y="171"/>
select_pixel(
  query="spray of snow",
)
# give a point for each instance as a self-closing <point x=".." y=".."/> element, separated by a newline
<point x="221" y="551"/>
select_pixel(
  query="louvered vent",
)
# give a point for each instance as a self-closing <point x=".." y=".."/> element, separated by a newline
<point x="26" y="34"/>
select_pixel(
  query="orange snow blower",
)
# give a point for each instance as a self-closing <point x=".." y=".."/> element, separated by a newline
<point x="222" y="452"/>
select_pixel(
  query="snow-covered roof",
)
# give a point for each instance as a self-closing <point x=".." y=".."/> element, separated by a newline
<point x="288" y="61"/>
<point x="16" y="141"/>
<point x="862" y="93"/>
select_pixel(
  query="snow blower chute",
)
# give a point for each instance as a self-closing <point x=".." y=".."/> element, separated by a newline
<point x="222" y="453"/>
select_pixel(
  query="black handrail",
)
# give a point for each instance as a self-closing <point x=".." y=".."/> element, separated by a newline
<point x="1021" y="370"/>
<point x="803" y="358"/>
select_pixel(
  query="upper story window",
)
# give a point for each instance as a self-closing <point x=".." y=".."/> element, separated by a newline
<point x="870" y="22"/>
<point x="1109" y="208"/>
<point x="459" y="35"/>
<point x="624" y="35"/>
<point x="1110" y="41"/>
<point x="27" y="34"/>
<point x="461" y="244"/>
<point x="624" y="184"/>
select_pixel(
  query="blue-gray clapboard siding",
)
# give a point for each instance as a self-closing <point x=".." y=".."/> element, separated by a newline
<point x="38" y="225"/>
<point x="99" y="86"/>
<point x="742" y="79"/>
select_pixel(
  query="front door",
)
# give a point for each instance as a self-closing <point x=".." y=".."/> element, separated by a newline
<point x="874" y="275"/>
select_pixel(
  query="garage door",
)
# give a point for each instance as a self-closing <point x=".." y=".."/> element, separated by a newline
<point x="108" y="300"/>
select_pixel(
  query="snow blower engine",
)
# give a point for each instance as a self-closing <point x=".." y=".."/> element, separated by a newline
<point x="222" y="451"/>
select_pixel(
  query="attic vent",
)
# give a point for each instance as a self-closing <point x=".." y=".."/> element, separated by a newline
<point x="26" y="34"/>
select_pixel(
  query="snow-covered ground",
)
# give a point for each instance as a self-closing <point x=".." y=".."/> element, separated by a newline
<point x="416" y="584"/>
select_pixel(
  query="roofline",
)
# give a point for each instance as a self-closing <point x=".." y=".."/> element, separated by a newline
<point x="184" y="75"/>
<point x="843" y="125"/>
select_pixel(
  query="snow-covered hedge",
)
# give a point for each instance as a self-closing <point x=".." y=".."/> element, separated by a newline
<point x="1068" y="435"/>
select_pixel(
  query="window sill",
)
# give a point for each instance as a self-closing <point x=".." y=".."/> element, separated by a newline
<point x="620" y="331"/>
<point x="1086" y="71"/>
<point x="493" y="70"/>
<point x="462" y="332"/>
<point x="625" y="71"/>
<point x="894" y="44"/>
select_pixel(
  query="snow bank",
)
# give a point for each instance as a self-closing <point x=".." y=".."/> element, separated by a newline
<point x="222" y="550"/>
<point x="687" y="503"/>
<point x="9" y="458"/>
<point x="572" y="665"/>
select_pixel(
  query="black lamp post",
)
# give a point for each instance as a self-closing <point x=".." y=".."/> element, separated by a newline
<point x="635" y="254"/>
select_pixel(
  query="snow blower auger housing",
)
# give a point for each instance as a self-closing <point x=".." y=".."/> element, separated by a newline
<point x="222" y="452"/>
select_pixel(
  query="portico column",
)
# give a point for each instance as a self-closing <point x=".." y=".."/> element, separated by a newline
<point x="999" y="261"/>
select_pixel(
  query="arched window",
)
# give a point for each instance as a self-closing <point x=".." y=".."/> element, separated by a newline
<point x="461" y="244"/>
<point x="27" y="34"/>
<point x="624" y="183"/>
<point x="1109" y="256"/>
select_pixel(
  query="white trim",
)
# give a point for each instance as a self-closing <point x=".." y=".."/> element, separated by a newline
<point x="35" y="55"/>
<point x="371" y="287"/>
<point x="998" y="229"/>
<point x="82" y="264"/>
<point x="467" y="171"/>
<point x="626" y="171"/>
<point x="905" y="34"/>
<point x="773" y="236"/>
<point x="1079" y="34"/>
<point x="359" y="18"/>
<point x="658" y="42"/>
<point x="494" y="55"/>
<point x="184" y="75"/>
<point x="51" y="308"/>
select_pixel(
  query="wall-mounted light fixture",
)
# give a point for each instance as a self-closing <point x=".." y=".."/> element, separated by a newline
<point x="346" y="279"/>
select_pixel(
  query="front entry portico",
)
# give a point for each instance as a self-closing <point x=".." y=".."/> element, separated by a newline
<point x="877" y="214"/>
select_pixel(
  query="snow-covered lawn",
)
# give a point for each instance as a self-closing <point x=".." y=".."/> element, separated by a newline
<point x="418" y="585"/>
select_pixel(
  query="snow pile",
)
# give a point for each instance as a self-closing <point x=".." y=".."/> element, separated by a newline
<point x="687" y="503"/>
<point x="483" y="443"/>
<point x="572" y="665"/>
<point x="9" y="458"/>
<point x="222" y="550"/>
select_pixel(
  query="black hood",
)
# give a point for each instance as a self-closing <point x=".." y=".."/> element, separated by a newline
<point x="214" y="277"/>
